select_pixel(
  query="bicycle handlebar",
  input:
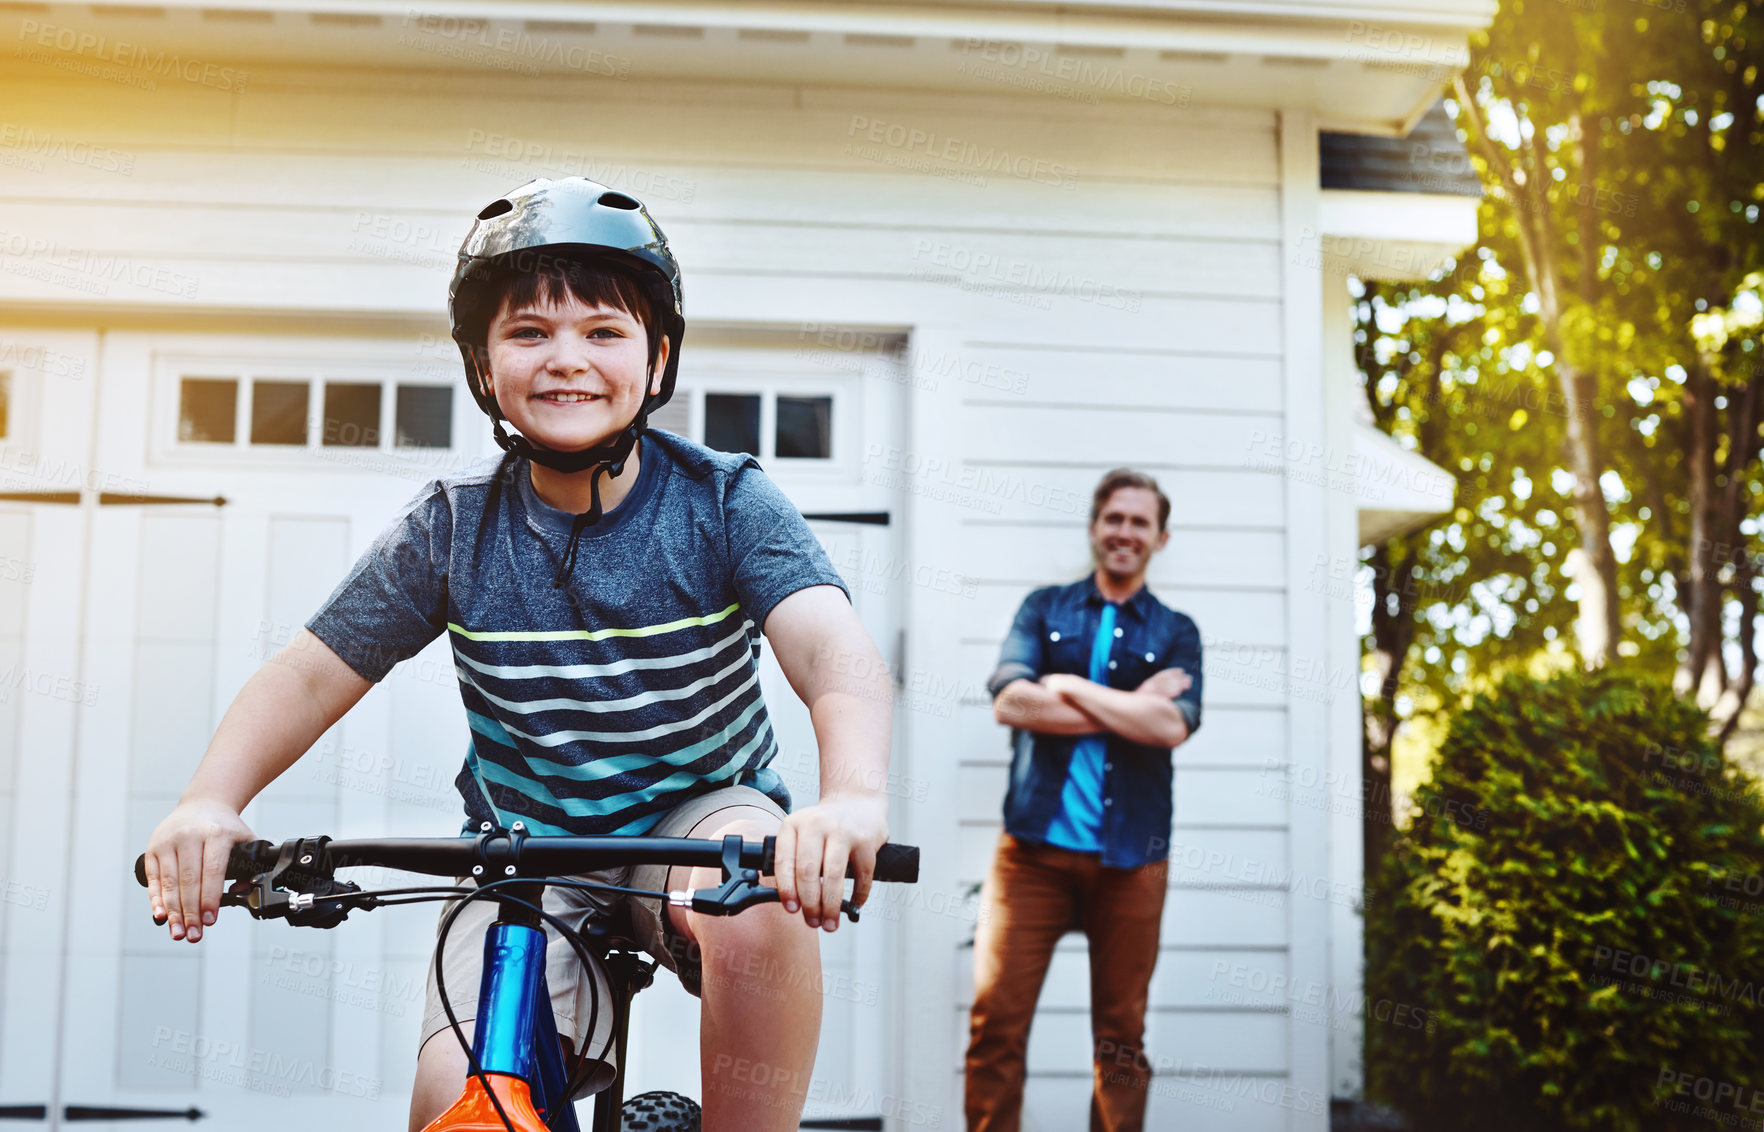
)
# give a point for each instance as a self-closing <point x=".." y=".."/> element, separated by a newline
<point x="529" y="857"/>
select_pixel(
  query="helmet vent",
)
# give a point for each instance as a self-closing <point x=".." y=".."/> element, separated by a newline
<point x="495" y="208"/>
<point x="618" y="200"/>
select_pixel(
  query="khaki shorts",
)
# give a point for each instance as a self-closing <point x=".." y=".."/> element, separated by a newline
<point x="571" y="997"/>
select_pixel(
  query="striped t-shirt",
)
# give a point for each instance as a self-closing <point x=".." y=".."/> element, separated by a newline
<point x="598" y="706"/>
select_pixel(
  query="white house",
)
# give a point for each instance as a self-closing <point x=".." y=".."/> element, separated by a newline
<point x="945" y="263"/>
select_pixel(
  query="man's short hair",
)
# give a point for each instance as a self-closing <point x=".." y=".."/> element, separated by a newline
<point x="1127" y="477"/>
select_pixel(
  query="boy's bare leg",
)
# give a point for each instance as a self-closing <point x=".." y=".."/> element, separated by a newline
<point x="761" y="1015"/>
<point x="440" y="1078"/>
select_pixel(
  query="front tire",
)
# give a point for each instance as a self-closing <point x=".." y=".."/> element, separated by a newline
<point x="659" y="1112"/>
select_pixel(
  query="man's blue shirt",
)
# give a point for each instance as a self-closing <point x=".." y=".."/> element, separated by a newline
<point x="1056" y="630"/>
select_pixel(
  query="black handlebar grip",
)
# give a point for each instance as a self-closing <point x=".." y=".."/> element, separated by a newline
<point x="898" y="863"/>
<point x="247" y="859"/>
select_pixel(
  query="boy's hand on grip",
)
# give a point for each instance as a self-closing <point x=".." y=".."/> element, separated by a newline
<point x="186" y="862"/>
<point x="814" y="846"/>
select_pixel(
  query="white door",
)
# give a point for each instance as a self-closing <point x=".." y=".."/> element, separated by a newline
<point x="259" y="1025"/>
<point x="47" y="495"/>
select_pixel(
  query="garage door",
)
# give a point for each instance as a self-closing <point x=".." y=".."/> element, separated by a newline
<point x="245" y="475"/>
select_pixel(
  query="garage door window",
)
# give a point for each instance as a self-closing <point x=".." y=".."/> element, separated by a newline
<point x="278" y="412"/>
<point x="246" y="412"/>
<point x="805" y="427"/>
<point x="207" y="410"/>
<point x="767" y="424"/>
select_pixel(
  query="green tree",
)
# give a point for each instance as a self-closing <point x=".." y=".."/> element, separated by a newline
<point x="1590" y="371"/>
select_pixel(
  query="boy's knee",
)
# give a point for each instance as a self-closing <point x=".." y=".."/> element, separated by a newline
<point x="750" y="822"/>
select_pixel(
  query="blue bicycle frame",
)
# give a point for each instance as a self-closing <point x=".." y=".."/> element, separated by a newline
<point x="516" y="1043"/>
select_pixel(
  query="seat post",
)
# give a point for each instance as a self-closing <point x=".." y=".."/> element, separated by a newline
<point x="628" y="973"/>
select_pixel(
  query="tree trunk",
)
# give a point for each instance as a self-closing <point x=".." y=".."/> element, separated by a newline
<point x="1597" y="628"/>
<point x="1702" y="596"/>
<point x="1525" y="181"/>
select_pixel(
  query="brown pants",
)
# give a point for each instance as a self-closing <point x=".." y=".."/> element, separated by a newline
<point x="1033" y="896"/>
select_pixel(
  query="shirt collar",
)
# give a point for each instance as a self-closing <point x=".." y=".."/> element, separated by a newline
<point x="1138" y="605"/>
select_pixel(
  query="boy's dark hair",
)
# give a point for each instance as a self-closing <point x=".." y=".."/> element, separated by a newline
<point x="548" y="278"/>
<point x="1127" y="477"/>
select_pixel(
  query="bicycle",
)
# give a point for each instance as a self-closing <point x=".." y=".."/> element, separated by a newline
<point x="516" y="1058"/>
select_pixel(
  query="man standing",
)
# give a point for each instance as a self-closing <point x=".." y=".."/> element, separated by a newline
<point x="1088" y="811"/>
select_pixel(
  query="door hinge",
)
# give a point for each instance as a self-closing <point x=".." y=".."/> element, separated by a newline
<point x="95" y="1112"/>
<point x="24" y="1112"/>
<point x="113" y="498"/>
<point x="872" y="518"/>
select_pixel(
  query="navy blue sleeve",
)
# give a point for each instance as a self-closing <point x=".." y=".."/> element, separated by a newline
<point x="772" y="551"/>
<point x="394" y="601"/>
<point x="1019" y="658"/>
<point x="1185" y="653"/>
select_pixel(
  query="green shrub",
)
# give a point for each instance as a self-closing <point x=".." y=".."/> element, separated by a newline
<point x="1578" y="910"/>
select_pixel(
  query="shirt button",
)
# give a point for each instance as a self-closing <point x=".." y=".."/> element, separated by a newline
<point x="1108" y="766"/>
<point x="1151" y="656"/>
<point x="1118" y="632"/>
<point x="1108" y="801"/>
<point x="1111" y="664"/>
<point x="1054" y="636"/>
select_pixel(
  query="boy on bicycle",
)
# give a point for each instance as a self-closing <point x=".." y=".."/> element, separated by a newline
<point x="606" y="641"/>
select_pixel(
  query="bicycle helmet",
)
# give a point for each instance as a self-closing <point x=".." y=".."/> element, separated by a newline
<point x="543" y="222"/>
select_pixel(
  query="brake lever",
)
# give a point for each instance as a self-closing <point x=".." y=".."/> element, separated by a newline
<point x="740" y="889"/>
<point x="736" y="895"/>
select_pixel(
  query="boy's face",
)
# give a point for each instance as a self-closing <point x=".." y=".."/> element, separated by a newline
<point x="570" y="376"/>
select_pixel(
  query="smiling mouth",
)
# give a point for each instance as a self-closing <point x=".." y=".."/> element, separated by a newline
<point x="568" y="398"/>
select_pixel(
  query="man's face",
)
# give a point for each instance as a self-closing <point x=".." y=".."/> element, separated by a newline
<point x="1125" y="534"/>
<point x="568" y="375"/>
